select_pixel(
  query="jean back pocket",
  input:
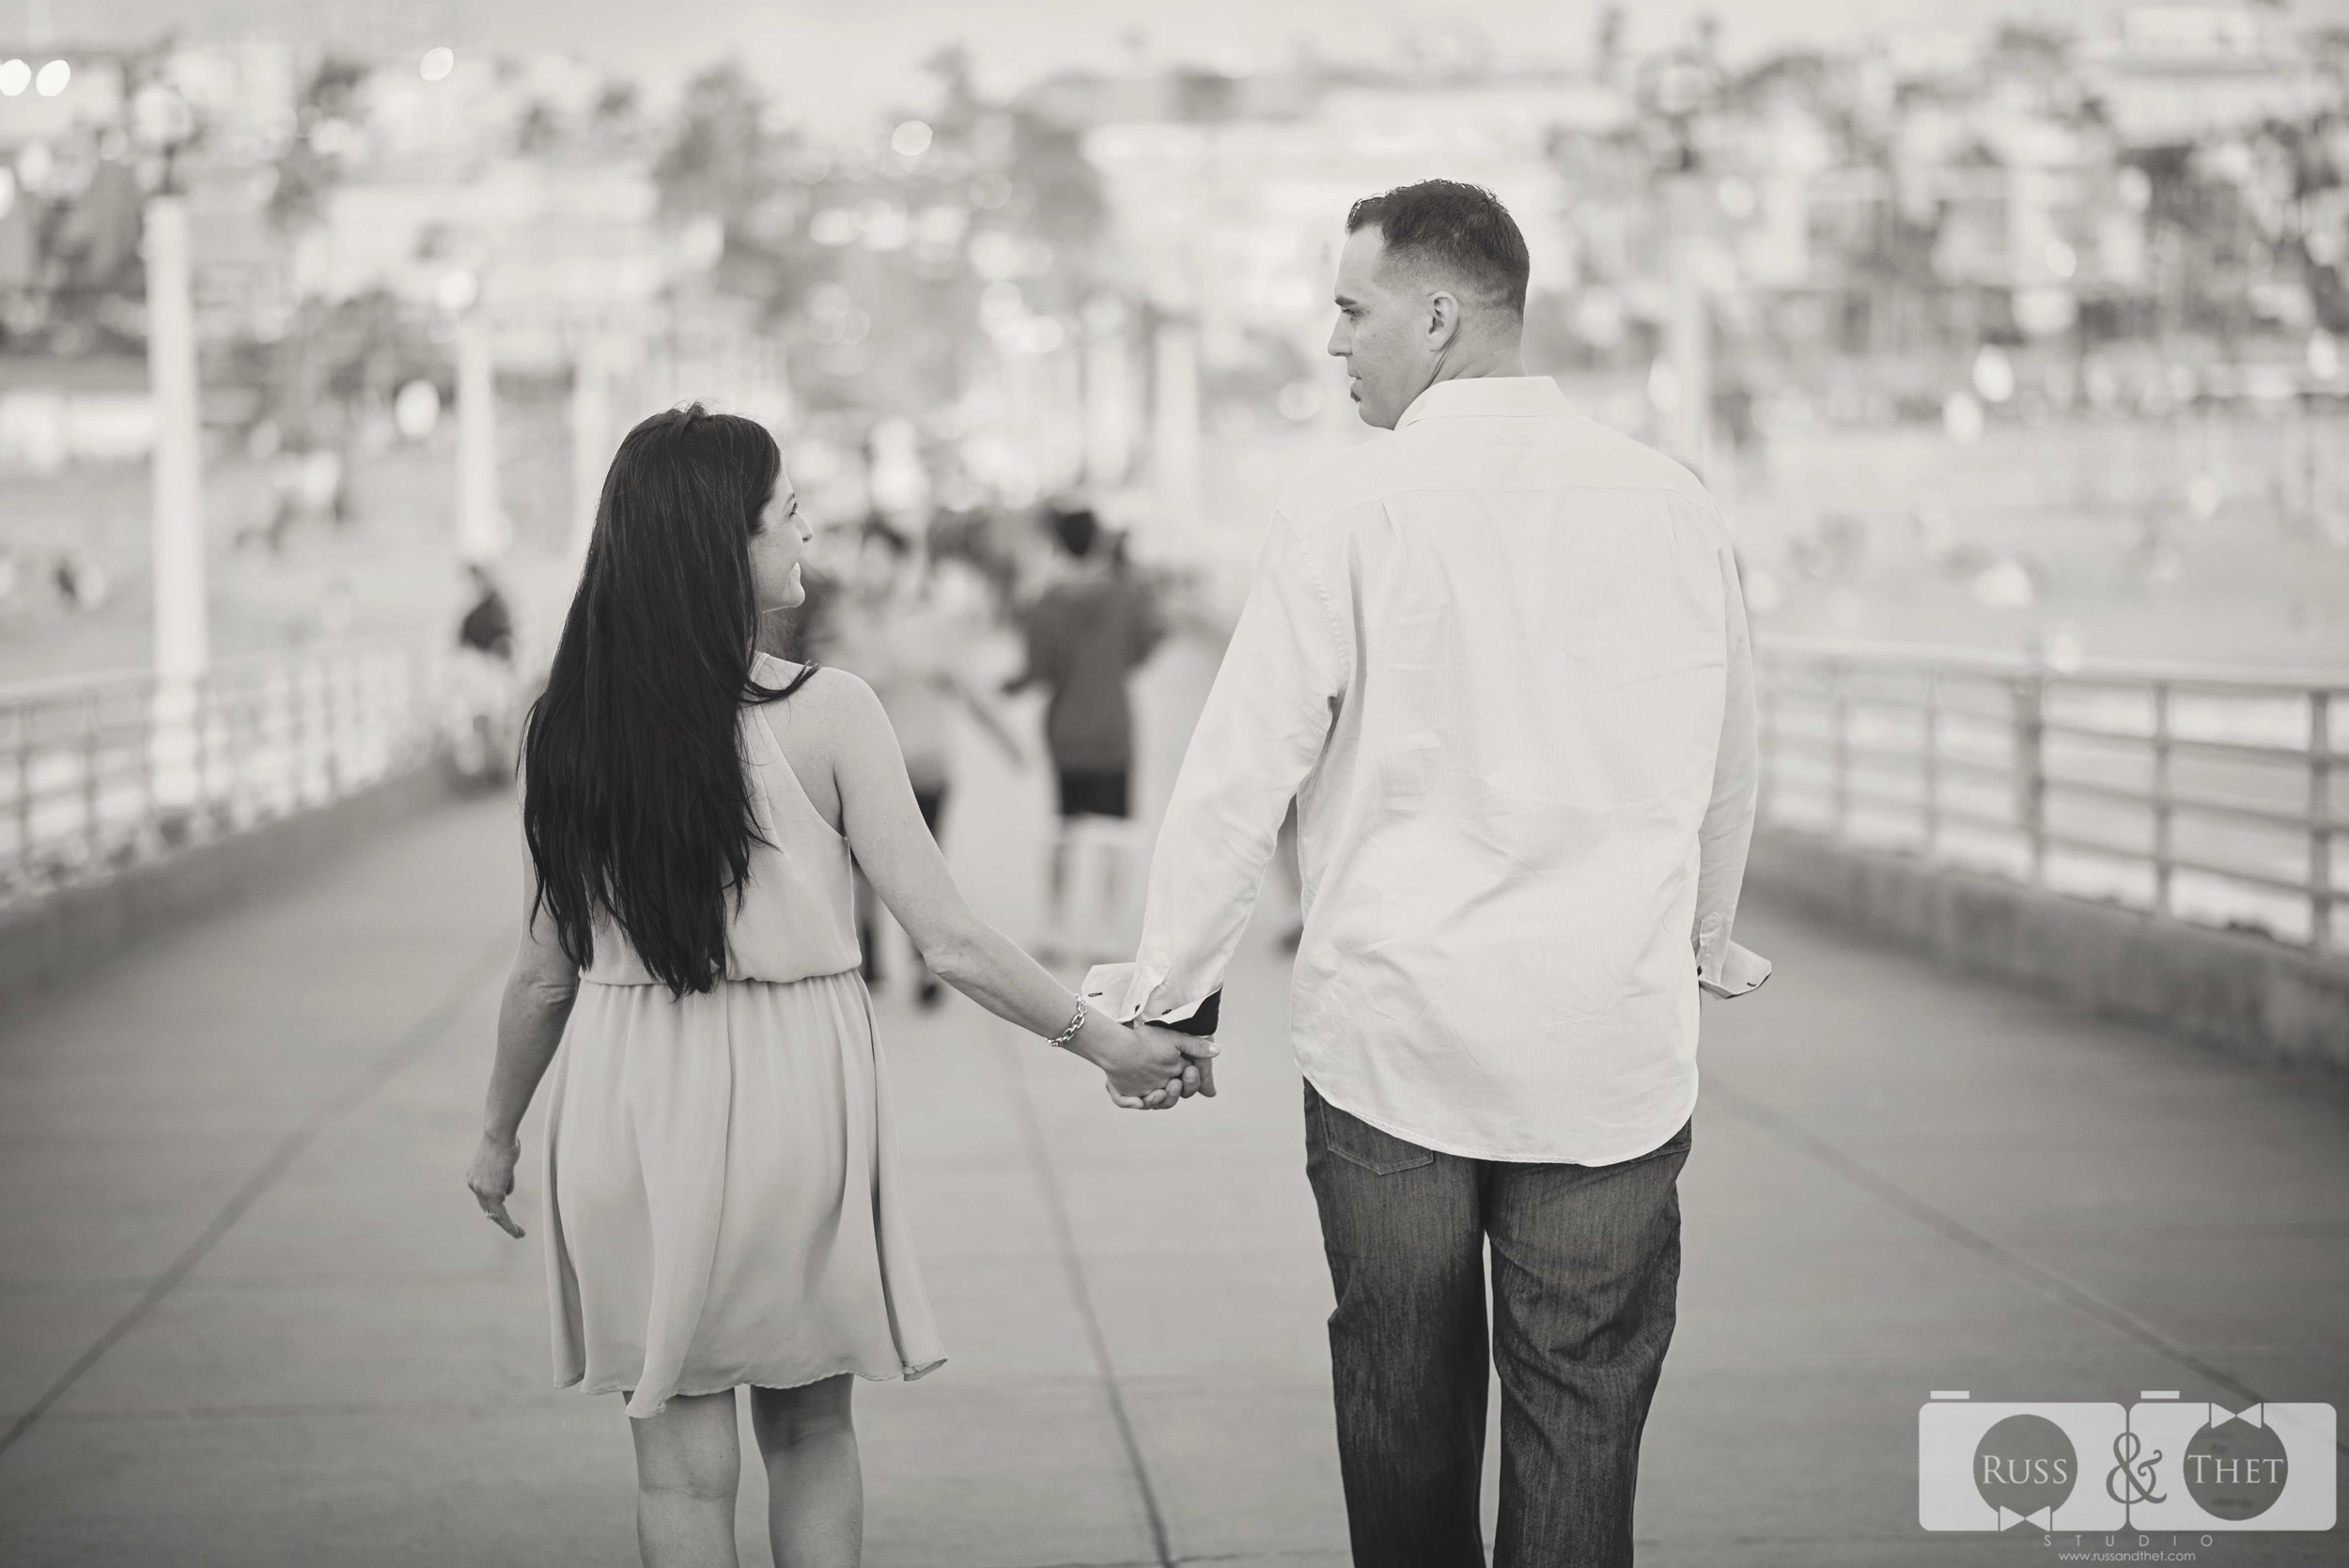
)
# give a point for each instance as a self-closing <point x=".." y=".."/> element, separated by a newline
<point x="1375" y="1150"/>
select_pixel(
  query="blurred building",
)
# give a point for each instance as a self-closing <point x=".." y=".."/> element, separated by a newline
<point x="2182" y="72"/>
<point x="1227" y="194"/>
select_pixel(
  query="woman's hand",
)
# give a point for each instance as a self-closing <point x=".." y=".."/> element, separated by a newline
<point x="1145" y="1070"/>
<point x="491" y="1179"/>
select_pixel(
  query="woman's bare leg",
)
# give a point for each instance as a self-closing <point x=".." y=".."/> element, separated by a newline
<point x="815" y="1483"/>
<point x="689" y="1461"/>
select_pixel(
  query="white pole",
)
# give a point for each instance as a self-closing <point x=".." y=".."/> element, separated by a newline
<point x="591" y="437"/>
<point x="182" y="634"/>
<point x="1175" y="425"/>
<point x="1108" y="398"/>
<point x="182" y="643"/>
<point x="480" y="522"/>
<point x="1689" y="330"/>
<point x="1062" y="376"/>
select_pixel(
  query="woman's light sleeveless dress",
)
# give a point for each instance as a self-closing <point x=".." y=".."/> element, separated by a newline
<point x="721" y="1188"/>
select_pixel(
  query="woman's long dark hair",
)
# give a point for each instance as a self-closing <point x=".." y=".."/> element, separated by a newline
<point x="634" y="802"/>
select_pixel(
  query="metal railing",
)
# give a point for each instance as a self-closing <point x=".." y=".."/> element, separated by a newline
<point x="2203" y="794"/>
<point x="101" y="772"/>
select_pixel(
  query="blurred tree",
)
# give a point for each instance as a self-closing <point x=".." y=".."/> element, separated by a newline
<point x="2199" y="240"/>
<point x="2311" y="174"/>
<point x="2037" y="46"/>
<point x="325" y="122"/>
<point x="870" y="261"/>
<point x="718" y="161"/>
<point x="1606" y="44"/>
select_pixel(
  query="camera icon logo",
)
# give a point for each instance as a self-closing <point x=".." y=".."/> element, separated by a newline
<point x="2207" y="1467"/>
<point x="1990" y="1467"/>
<point x="2160" y="1463"/>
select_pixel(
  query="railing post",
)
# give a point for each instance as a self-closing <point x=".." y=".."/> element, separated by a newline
<point x="240" y="775"/>
<point x="1933" y="763"/>
<point x="22" y="728"/>
<point x="201" y="809"/>
<point x="90" y="826"/>
<point x="1839" y="741"/>
<point x="148" y="731"/>
<point x="2030" y="768"/>
<point x="2163" y="811"/>
<point x="304" y="733"/>
<point x="332" y="672"/>
<point x="2320" y="820"/>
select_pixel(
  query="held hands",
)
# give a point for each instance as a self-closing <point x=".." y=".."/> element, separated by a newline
<point x="1148" y="1068"/>
<point x="1198" y="1052"/>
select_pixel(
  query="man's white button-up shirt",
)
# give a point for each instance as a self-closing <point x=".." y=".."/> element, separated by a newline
<point x="1498" y="656"/>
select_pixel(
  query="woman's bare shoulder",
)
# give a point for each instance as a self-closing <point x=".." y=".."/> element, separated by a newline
<point x="835" y="693"/>
<point x="835" y="708"/>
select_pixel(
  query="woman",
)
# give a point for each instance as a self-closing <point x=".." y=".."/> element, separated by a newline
<point x="721" y="1205"/>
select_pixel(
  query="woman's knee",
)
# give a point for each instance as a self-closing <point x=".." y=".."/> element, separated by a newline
<point x="689" y="1450"/>
<point x="783" y="1418"/>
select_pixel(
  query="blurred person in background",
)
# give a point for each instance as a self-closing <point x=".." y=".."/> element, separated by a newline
<point x="484" y="692"/>
<point x="722" y="1199"/>
<point x="487" y="627"/>
<point x="81" y="582"/>
<point x="916" y="646"/>
<point x="1085" y="635"/>
<point x="1498" y="660"/>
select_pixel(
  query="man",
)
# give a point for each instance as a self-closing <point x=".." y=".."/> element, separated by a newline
<point x="1085" y="636"/>
<point x="1499" y="658"/>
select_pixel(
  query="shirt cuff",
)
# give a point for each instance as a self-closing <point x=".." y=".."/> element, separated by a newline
<point x="1113" y="989"/>
<point x="1732" y="970"/>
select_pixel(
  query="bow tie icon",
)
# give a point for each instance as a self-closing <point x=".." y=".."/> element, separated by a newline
<point x="2255" y="1414"/>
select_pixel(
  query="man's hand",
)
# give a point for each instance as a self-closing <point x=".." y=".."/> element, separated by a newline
<point x="1199" y="1051"/>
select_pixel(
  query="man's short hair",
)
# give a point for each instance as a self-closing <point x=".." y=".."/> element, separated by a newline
<point x="1460" y="232"/>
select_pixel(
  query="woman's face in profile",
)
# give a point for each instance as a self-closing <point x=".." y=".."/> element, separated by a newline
<point x="777" y="548"/>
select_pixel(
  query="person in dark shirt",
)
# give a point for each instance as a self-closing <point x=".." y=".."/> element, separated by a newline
<point x="1084" y="636"/>
<point x="487" y="626"/>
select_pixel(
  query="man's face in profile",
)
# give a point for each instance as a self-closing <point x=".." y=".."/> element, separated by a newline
<point x="1381" y="329"/>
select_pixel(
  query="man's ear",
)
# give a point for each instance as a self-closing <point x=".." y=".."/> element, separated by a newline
<point x="1443" y="318"/>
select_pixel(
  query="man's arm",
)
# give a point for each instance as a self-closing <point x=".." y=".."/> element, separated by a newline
<point x="1260" y="733"/>
<point x="1723" y="967"/>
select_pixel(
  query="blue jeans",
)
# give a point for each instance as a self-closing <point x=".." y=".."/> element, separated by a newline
<point x="1585" y="1267"/>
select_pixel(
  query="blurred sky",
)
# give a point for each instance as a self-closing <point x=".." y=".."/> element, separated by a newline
<point x="835" y="61"/>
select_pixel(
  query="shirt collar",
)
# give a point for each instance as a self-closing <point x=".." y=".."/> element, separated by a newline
<point x="1489" y="396"/>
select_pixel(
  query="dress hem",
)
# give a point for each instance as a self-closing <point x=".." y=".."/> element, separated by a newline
<point x="907" y="1372"/>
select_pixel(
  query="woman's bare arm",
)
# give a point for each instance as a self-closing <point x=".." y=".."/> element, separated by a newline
<point x="885" y="828"/>
<point x="539" y="990"/>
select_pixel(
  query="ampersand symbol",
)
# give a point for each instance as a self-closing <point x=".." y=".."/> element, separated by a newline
<point x="2131" y="1480"/>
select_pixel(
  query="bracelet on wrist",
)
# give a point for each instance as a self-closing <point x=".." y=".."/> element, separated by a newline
<point x="1075" y="1022"/>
